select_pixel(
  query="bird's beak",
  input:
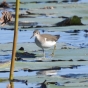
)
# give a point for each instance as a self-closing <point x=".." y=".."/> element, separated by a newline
<point x="31" y="36"/>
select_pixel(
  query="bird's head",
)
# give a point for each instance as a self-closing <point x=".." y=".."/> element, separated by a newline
<point x="36" y="33"/>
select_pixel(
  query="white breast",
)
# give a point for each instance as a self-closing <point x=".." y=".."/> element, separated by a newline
<point x="48" y="44"/>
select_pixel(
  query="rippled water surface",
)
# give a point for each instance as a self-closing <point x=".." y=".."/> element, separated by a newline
<point x="69" y="66"/>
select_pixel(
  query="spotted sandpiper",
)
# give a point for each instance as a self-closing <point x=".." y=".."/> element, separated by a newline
<point x="45" y="40"/>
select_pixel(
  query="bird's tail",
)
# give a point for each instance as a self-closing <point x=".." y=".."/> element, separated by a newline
<point x="58" y="36"/>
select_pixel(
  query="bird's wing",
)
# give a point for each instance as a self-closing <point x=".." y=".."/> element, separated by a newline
<point x="51" y="37"/>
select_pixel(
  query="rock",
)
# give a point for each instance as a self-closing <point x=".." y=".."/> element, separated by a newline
<point x="21" y="48"/>
<point x="75" y="20"/>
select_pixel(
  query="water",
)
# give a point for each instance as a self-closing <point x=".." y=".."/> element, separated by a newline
<point x="78" y="39"/>
<point x="74" y="39"/>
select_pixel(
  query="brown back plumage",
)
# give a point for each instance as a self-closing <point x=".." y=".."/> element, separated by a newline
<point x="50" y="37"/>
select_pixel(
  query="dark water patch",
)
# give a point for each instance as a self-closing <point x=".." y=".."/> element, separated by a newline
<point x="44" y="2"/>
<point x="83" y="81"/>
<point x="54" y="83"/>
<point x="23" y="60"/>
<point x="77" y="1"/>
<point x="76" y="72"/>
<point x="75" y="36"/>
<point x="60" y="60"/>
<point x="36" y="2"/>
<point x="57" y="60"/>
<point x="50" y="31"/>
<point x="25" y="16"/>
<point x="31" y="70"/>
<point x="20" y="85"/>
<point x="45" y="83"/>
<point x="52" y="68"/>
<point x="24" y="2"/>
<point x="70" y="1"/>
<point x="22" y="81"/>
<point x="5" y="58"/>
<point x="65" y="47"/>
<point x="37" y="26"/>
<point x="17" y="73"/>
<point x="73" y="31"/>
<point x="20" y="8"/>
<point x="2" y="62"/>
<point x="86" y="35"/>
<point x="75" y="75"/>
<point x="63" y="17"/>
<point x="86" y="31"/>
<point x="7" y="28"/>
<point x="6" y="71"/>
<point x="81" y="60"/>
<point x="74" y="66"/>
<point x="54" y="1"/>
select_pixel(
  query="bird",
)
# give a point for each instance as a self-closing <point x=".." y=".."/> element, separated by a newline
<point x="45" y="40"/>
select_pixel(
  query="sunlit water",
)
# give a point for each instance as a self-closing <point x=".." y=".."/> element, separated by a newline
<point x="79" y="39"/>
<point x="75" y="39"/>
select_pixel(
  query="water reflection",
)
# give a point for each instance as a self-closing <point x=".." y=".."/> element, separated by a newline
<point x="10" y="85"/>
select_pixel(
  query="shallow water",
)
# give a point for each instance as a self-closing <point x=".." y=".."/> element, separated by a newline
<point x="74" y="36"/>
<point x="75" y="39"/>
<point x="80" y="72"/>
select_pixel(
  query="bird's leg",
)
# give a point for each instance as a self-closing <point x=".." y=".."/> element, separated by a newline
<point x="43" y="52"/>
<point x="53" y="51"/>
